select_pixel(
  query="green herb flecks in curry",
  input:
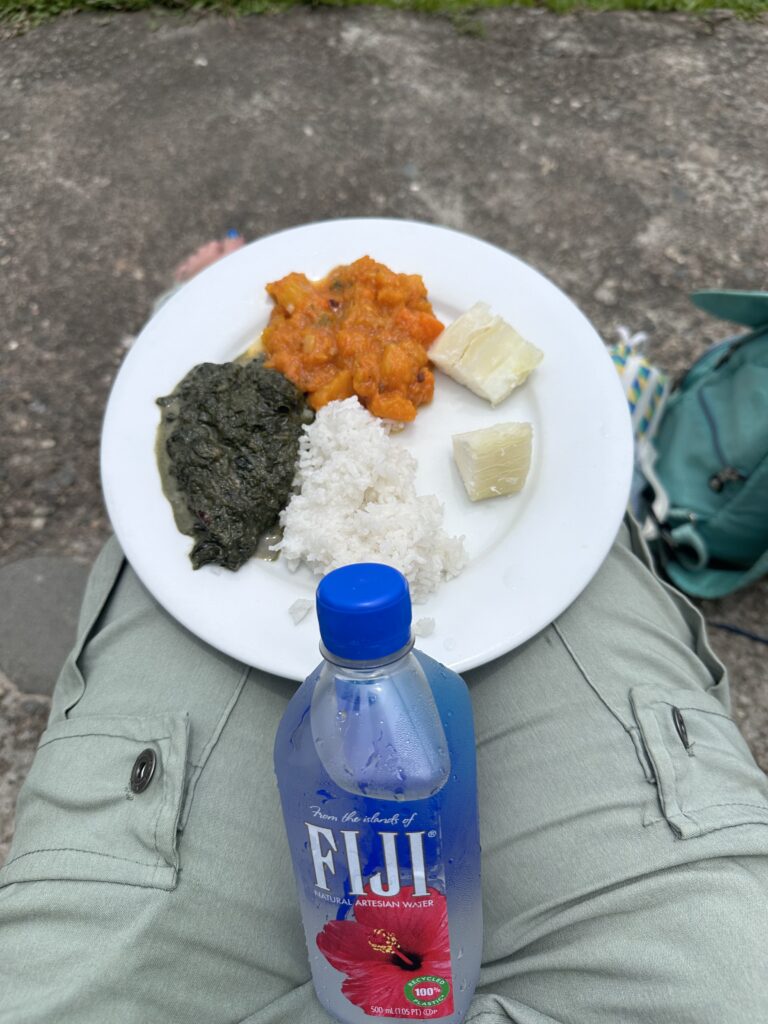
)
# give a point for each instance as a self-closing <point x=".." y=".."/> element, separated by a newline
<point x="227" y="448"/>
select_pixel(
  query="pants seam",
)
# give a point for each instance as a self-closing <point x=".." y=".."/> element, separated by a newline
<point x="208" y="748"/>
<point x="584" y="674"/>
<point x="91" y="853"/>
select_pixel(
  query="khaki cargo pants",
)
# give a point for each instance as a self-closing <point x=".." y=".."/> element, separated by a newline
<point x="624" y="828"/>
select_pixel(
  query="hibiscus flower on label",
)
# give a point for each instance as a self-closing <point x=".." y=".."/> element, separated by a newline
<point x="395" y="955"/>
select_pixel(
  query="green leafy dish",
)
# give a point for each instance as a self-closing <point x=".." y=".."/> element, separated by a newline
<point x="227" y="447"/>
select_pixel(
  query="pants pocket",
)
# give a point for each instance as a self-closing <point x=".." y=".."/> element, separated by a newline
<point x="705" y="775"/>
<point x="102" y="802"/>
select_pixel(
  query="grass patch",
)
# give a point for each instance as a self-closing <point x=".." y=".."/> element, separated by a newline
<point x="27" y="13"/>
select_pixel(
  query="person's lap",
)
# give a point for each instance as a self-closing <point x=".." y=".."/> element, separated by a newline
<point x="596" y="910"/>
<point x="624" y="876"/>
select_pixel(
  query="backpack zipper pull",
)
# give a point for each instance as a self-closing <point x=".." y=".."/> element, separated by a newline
<point x="718" y="481"/>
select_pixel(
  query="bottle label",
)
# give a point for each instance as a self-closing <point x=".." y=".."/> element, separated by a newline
<point x="383" y="873"/>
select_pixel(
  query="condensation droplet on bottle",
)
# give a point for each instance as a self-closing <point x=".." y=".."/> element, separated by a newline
<point x="341" y="716"/>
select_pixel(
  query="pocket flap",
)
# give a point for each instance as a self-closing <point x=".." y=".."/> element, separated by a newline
<point x="78" y="814"/>
<point x="705" y="774"/>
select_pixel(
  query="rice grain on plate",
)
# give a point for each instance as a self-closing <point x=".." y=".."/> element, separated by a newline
<point x="356" y="501"/>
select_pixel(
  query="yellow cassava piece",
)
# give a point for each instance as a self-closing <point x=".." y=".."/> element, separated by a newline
<point x="494" y="460"/>
<point x="485" y="354"/>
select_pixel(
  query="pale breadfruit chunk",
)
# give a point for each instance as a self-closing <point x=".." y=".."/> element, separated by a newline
<point x="485" y="354"/>
<point x="448" y="348"/>
<point x="494" y="460"/>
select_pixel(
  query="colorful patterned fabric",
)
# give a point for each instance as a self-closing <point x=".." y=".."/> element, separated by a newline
<point x="645" y="385"/>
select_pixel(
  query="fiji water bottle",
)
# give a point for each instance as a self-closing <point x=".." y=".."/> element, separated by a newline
<point x="375" y="761"/>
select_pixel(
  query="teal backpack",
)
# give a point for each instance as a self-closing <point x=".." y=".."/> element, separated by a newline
<point x="708" y="473"/>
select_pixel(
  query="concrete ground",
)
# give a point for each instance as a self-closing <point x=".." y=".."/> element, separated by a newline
<point x="624" y="155"/>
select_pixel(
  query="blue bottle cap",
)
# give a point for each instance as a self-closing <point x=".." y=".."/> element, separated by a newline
<point x="364" y="611"/>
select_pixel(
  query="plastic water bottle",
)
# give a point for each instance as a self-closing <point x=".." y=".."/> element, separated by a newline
<point x="375" y="762"/>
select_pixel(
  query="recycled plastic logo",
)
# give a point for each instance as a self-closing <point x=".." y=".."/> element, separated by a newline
<point x="427" y="990"/>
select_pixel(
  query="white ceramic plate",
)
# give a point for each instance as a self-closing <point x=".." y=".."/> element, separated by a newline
<point x="530" y="554"/>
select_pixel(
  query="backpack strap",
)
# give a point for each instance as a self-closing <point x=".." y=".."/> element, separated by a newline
<point x="682" y="554"/>
<point x="712" y="583"/>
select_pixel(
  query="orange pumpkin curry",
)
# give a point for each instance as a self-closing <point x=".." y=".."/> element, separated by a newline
<point x="363" y="330"/>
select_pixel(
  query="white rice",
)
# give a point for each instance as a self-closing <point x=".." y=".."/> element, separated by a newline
<point x="356" y="502"/>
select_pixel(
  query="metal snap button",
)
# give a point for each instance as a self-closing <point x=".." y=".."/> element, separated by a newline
<point x="143" y="770"/>
<point x="682" y="732"/>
